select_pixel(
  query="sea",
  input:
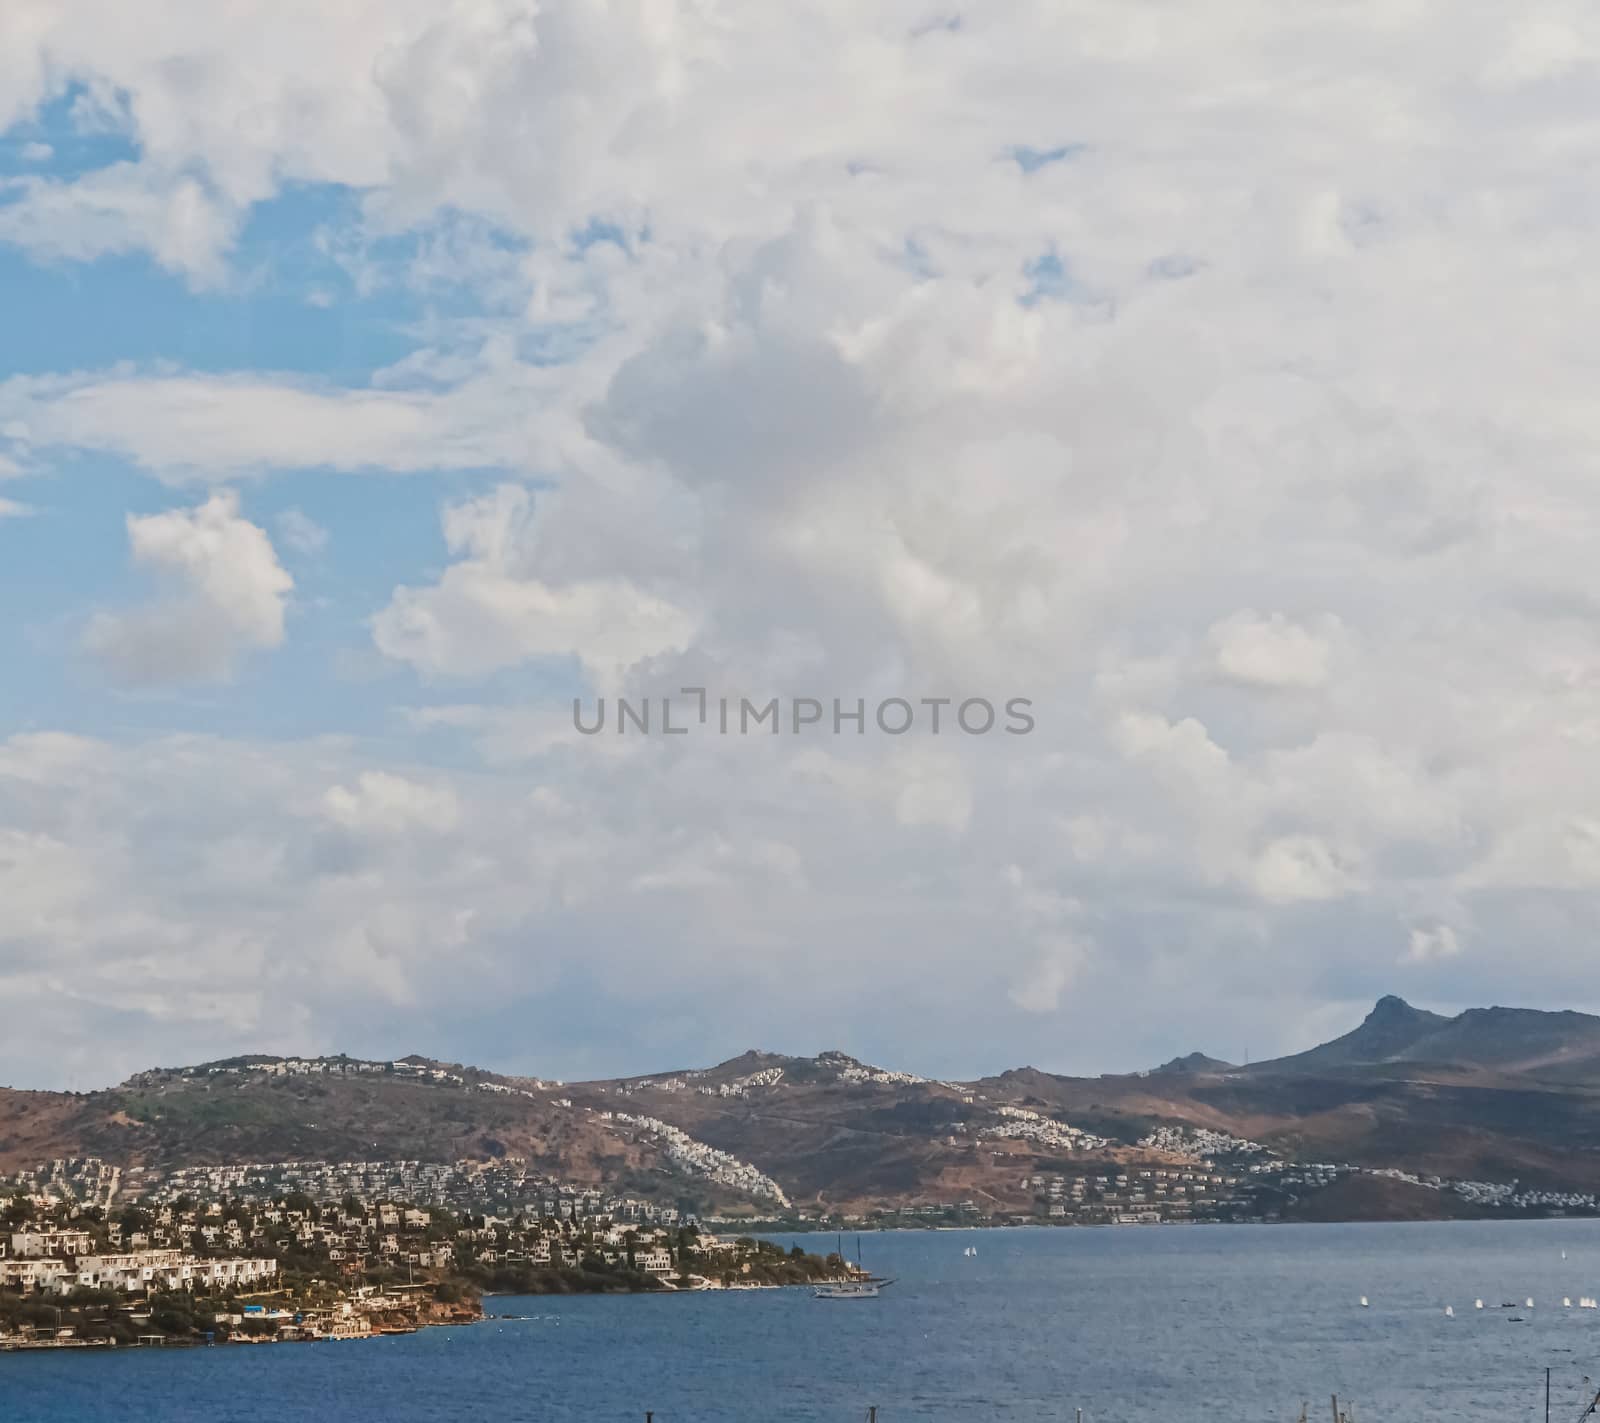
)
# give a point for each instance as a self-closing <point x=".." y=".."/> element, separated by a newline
<point x="1238" y="1323"/>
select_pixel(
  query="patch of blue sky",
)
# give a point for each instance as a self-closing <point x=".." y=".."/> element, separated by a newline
<point x="1049" y="279"/>
<point x="309" y="294"/>
<point x="87" y="316"/>
<point x="57" y="565"/>
<point x="1031" y="160"/>
<point x="72" y="134"/>
<point x="291" y="308"/>
<point x="71" y="557"/>
<point x="599" y="229"/>
<point x="916" y="257"/>
<point x="314" y="293"/>
<point x="459" y="265"/>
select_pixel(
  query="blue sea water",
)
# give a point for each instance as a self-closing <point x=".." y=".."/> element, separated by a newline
<point x="1219" y="1322"/>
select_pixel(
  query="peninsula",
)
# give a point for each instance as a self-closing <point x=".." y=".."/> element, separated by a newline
<point x="281" y="1268"/>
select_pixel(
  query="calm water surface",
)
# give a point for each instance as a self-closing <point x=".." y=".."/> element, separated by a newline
<point x="1231" y="1323"/>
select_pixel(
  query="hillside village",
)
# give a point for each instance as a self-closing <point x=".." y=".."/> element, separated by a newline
<point x="294" y="1268"/>
<point x="773" y="1141"/>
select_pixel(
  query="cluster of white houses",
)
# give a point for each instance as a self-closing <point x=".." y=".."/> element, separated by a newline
<point x="699" y="1159"/>
<point x="220" y="1249"/>
<point x="1134" y="1195"/>
<point x="60" y="1261"/>
<point x="87" y="1179"/>
<point x="509" y="1184"/>
<point x="1022" y="1124"/>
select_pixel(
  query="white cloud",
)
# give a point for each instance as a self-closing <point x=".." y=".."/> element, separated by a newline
<point x="385" y="804"/>
<point x="1253" y="439"/>
<point x="1040" y="988"/>
<point x="227" y="596"/>
<point x="325" y="884"/>
<point x="121" y="209"/>
<point x="222" y="427"/>
<point x="1432" y="944"/>
<point x="934" y="792"/>
<point x="1294" y="868"/>
<point x="301" y="533"/>
<point x="1270" y="652"/>
<point x="492" y="609"/>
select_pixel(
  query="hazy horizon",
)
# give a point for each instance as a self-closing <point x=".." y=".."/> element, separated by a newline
<point x="1245" y="1058"/>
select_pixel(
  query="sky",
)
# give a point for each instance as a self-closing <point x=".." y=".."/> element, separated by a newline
<point x="378" y="379"/>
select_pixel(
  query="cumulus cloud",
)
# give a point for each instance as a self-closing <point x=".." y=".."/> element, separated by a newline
<point x="385" y="804"/>
<point x="1300" y="867"/>
<point x="226" y="595"/>
<point x="1251" y="436"/>
<point x="491" y="609"/>
<point x="1272" y="653"/>
<point x="325" y="884"/>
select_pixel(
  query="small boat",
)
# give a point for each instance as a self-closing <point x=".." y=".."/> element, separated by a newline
<point x="1449" y="1311"/>
<point x="861" y="1286"/>
<point x="852" y="1289"/>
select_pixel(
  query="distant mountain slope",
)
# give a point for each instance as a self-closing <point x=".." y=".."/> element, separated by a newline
<point x="1194" y="1062"/>
<point x="248" y="1110"/>
<point x="1491" y="1094"/>
<point x="1388" y="1032"/>
<point x="1500" y="1039"/>
<point x="1520" y="1039"/>
<point x="827" y="1128"/>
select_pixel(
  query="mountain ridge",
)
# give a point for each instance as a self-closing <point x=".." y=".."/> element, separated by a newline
<point x="1520" y="1039"/>
<point x="1394" y="1031"/>
<point x="1486" y="1094"/>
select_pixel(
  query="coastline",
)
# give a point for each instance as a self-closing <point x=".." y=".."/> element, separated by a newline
<point x="76" y="1280"/>
<point x="301" y="1334"/>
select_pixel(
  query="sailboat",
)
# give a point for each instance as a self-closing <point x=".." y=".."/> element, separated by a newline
<point x="863" y="1286"/>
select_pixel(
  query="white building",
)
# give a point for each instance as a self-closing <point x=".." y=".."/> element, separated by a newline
<point x="38" y="1244"/>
